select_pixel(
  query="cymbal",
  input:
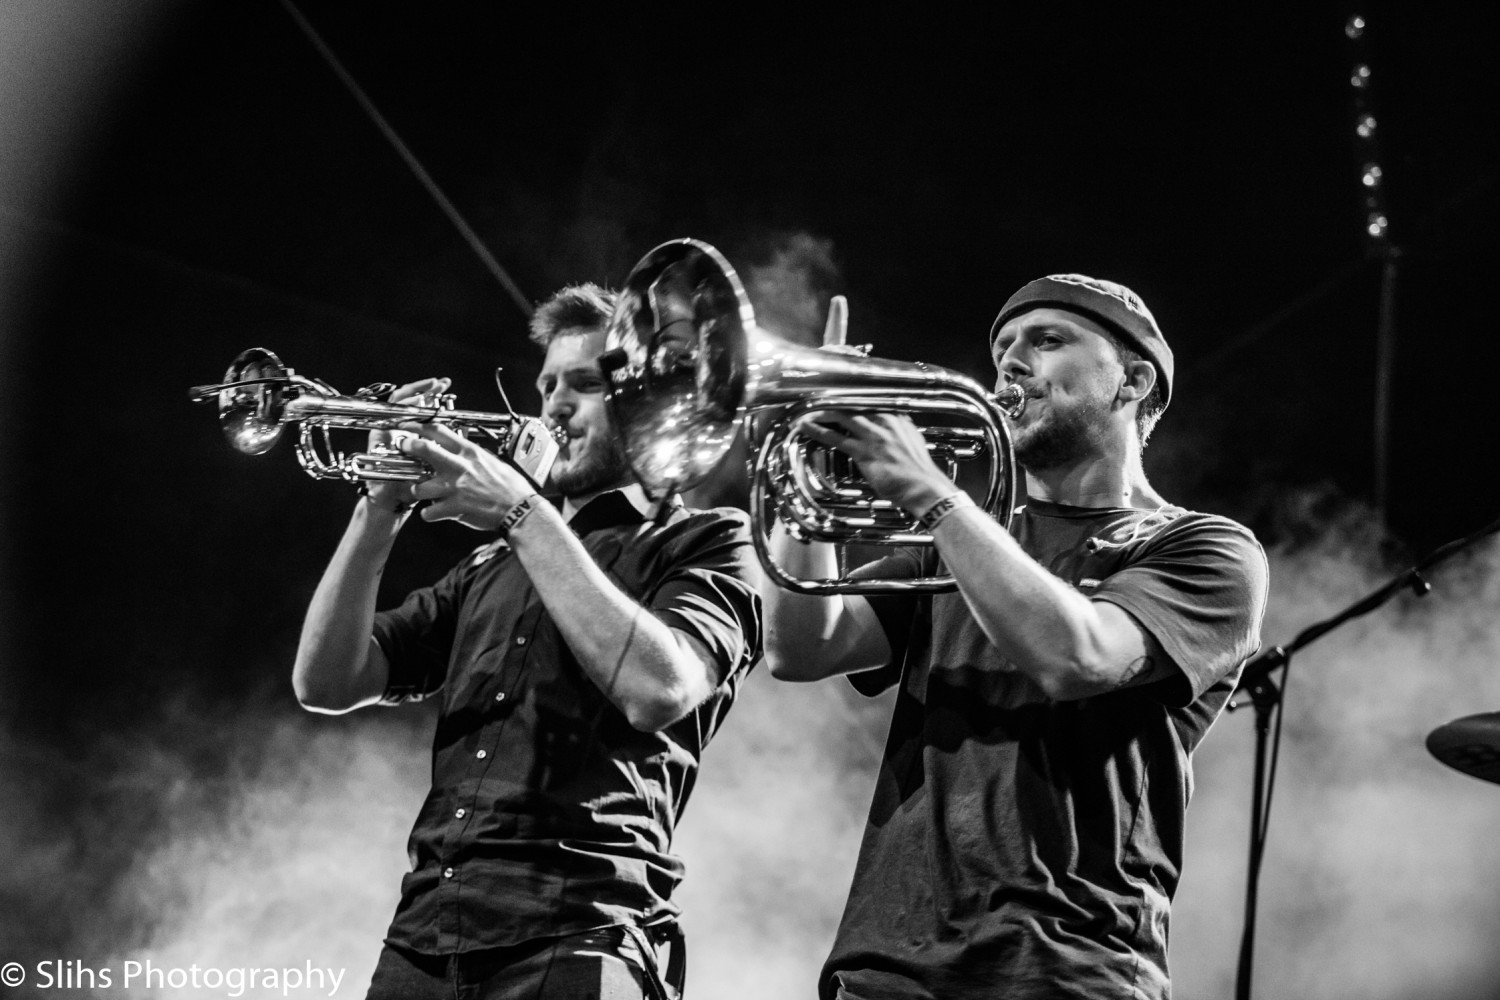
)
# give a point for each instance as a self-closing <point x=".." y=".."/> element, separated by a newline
<point x="1470" y="744"/>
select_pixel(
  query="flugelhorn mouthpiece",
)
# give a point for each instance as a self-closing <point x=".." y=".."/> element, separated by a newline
<point x="1012" y="399"/>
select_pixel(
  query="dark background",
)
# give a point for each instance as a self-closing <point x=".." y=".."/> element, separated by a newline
<point x="226" y="192"/>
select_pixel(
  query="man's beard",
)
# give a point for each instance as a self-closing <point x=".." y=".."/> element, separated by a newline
<point x="603" y="465"/>
<point x="1061" y="437"/>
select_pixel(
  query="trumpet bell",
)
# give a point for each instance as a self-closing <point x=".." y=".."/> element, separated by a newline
<point x="251" y="408"/>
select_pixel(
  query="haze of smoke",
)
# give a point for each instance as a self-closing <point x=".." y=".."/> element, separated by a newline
<point x="1380" y="871"/>
<point x="771" y="836"/>
<point x="1378" y="882"/>
<point x="301" y="864"/>
<point x="297" y="855"/>
<point x="790" y="292"/>
<point x="304" y="861"/>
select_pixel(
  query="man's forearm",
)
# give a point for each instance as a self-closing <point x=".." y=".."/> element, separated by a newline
<point x="1068" y="644"/>
<point x="634" y="658"/>
<point x="810" y="637"/>
<point x="337" y="667"/>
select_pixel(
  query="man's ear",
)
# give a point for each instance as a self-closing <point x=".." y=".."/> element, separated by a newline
<point x="1140" y="378"/>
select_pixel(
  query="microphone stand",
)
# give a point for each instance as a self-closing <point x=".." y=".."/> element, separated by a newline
<point x="1266" y="696"/>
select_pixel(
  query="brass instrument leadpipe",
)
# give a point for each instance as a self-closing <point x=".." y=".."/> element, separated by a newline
<point x="260" y="397"/>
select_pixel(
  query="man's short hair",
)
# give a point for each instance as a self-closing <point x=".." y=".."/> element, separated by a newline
<point x="576" y="307"/>
<point x="1148" y="412"/>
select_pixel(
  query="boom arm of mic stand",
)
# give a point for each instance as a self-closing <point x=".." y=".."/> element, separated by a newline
<point x="1255" y="681"/>
<point x="1258" y="670"/>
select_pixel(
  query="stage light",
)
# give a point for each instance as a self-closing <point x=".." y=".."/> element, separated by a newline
<point x="1361" y="77"/>
<point x="1372" y="175"/>
<point x="1366" y="126"/>
<point x="1377" y="225"/>
<point x="1355" y="28"/>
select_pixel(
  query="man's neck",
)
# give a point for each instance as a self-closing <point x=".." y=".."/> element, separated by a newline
<point x="1096" y="481"/>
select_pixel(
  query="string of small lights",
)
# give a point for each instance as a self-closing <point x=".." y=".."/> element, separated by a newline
<point x="1378" y="246"/>
<point x="1367" y="139"/>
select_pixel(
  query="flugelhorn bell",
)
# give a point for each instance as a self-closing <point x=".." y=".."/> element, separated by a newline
<point x="675" y="358"/>
<point x="260" y="396"/>
<point x="686" y="363"/>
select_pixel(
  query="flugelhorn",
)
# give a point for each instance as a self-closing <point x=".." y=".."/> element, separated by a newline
<point x="260" y="396"/>
<point x="686" y="365"/>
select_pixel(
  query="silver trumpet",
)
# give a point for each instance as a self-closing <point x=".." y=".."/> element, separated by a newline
<point x="259" y="396"/>
<point x="687" y="365"/>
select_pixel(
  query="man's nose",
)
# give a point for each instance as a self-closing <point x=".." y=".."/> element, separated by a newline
<point x="1012" y="365"/>
<point x="559" y="406"/>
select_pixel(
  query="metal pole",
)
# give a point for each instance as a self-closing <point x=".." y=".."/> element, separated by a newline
<point x="1385" y="366"/>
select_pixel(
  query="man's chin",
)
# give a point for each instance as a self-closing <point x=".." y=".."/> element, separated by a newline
<point x="1045" y="446"/>
<point x="576" y="479"/>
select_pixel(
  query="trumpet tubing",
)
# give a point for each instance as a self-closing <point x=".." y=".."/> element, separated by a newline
<point x="259" y="397"/>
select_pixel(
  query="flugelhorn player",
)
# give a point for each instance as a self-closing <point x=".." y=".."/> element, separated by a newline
<point x="582" y="660"/>
<point x="1025" y="836"/>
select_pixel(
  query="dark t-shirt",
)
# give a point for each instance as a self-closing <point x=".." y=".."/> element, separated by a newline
<point x="1023" y="847"/>
<point x="549" y="813"/>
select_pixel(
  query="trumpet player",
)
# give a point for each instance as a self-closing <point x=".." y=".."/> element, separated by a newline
<point x="581" y="660"/>
<point x="1026" y="832"/>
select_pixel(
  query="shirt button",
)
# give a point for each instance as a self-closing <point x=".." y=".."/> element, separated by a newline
<point x="500" y="696"/>
<point x="520" y="640"/>
<point x="482" y="754"/>
<point x="459" y="813"/>
<point x="447" y="873"/>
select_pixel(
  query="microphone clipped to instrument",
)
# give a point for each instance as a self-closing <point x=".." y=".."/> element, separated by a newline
<point x="687" y="365"/>
<point x="259" y="397"/>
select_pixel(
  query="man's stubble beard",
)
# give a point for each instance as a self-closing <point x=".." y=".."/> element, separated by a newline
<point x="1062" y="437"/>
<point x="602" y="466"/>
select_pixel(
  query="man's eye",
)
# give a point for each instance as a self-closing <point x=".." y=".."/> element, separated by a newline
<point x="590" y="385"/>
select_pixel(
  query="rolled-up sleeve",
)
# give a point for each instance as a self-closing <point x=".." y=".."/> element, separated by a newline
<point x="1200" y="591"/>
<point x="710" y="591"/>
<point x="417" y="638"/>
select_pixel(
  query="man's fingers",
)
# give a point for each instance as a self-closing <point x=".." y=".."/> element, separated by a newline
<point x="448" y="510"/>
<point x="440" y="434"/>
<point x="827" y="427"/>
<point x="420" y="387"/>
<point x="430" y="489"/>
<point x="445" y="436"/>
<point x="424" y="450"/>
<point x="822" y="433"/>
<point x="870" y="425"/>
<point x="839" y="421"/>
<point x="435" y="512"/>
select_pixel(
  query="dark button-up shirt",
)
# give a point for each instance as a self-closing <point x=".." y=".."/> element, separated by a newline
<point x="549" y="813"/>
